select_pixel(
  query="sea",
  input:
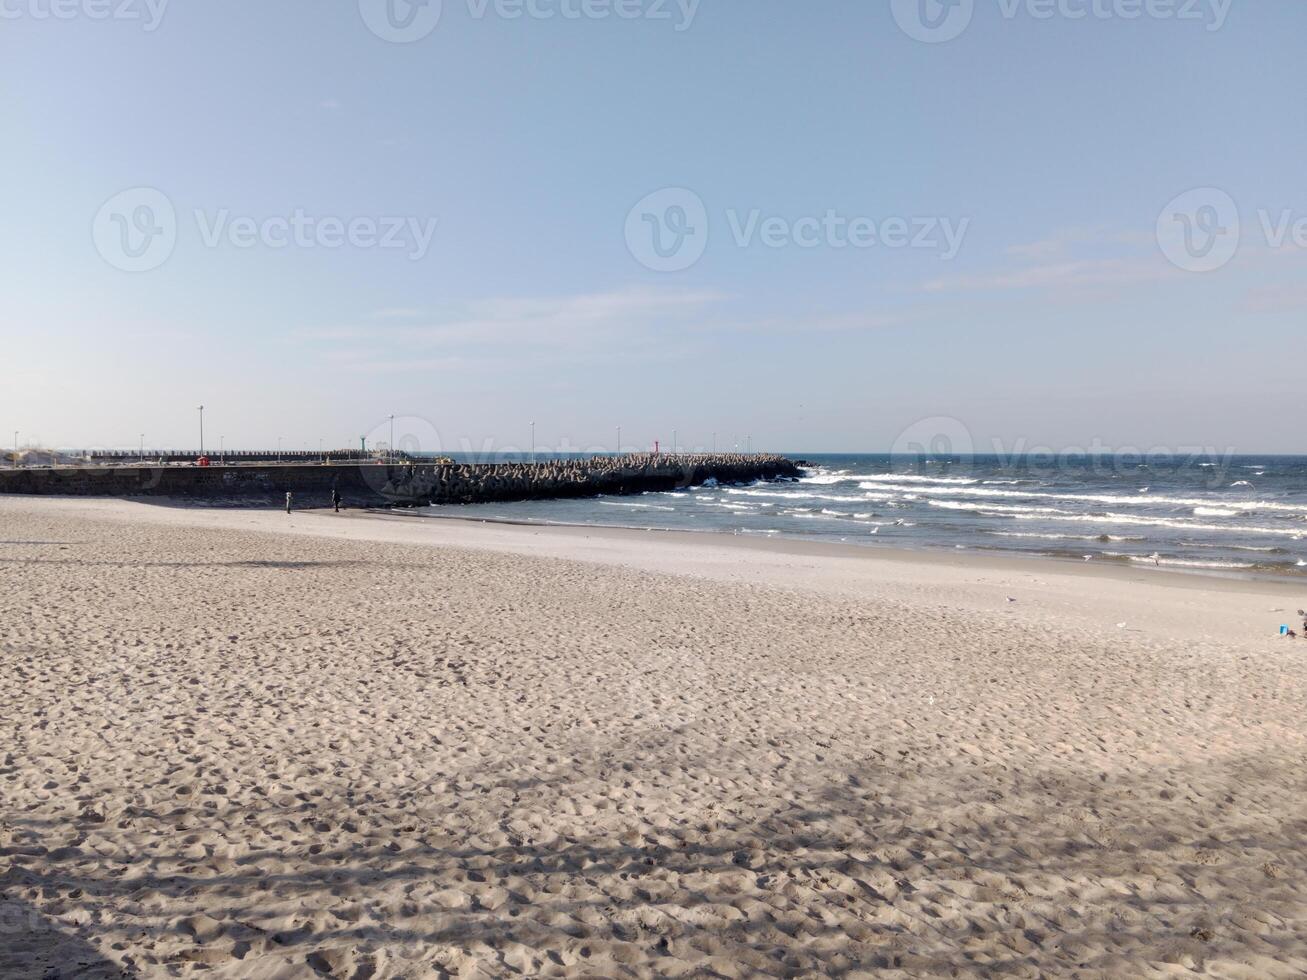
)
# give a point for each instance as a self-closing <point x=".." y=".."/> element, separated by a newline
<point x="1237" y="515"/>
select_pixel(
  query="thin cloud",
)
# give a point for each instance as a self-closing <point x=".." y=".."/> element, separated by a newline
<point x="567" y="323"/>
<point x="1078" y="239"/>
<point x="1062" y="275"/>
<point x="1276" y="299"/>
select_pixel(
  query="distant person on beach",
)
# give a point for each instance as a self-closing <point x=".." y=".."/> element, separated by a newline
<point x="290" y="497"/>
<point x="335" y="500"/>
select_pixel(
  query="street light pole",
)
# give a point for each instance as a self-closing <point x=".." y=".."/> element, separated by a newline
<point x="201" y="430"/>
<point x="222" y="449"/>
<point x="673" y="442"/>
<point x="619" y="440"/>
<point x="533" y="443"/>
<point x="392" y="439"/>
<point x="15" y="449"/>
<point x="278" y="449"/>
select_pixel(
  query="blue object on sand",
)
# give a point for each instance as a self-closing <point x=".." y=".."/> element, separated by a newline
<point x="1284" y="630"/>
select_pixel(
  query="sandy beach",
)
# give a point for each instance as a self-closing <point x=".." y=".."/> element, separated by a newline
<point x="244" y="744"/>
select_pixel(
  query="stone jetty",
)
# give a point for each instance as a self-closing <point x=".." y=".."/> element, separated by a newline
<point x="404" y="484"/>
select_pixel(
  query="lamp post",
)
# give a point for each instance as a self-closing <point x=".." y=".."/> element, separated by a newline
<point x="391" y="450"/>
<point x="141" y="454"/>
<point x="15" y="449"/>
<point x="201" y="430"/>
<point x="673" y="442"/>
<point x="222" y="449"/>
<point x="619" y="440"/>
<point x="278" y="449"/>
<point x="533" y="443"/>
<point x="714" y="443"/>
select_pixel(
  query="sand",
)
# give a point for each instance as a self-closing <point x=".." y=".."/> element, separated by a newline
<point x="241" y="744"/>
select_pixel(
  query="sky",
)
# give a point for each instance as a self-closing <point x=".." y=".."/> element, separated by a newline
<point x="843" y="226"/>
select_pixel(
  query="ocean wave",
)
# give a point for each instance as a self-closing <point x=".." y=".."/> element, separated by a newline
<point x="1189" y="562"/>
<point x="784" y="495"/>
<point x="914" y="478"/>
<point x="977" y="508"/>
<point x="1097" y="498"/>
<point x="1216" y="512"/>
<point x="825" y="478"/>
<point x="1101" y="538"/>
<point x="1133" y="520"/>
<point x="1269" y="549"/>
<point x="618" y="503"/>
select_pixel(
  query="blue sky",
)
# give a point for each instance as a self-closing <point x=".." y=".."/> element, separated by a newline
<point x="1050" y="144"/>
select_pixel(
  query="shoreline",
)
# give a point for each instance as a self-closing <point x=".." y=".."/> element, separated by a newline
<point x="1101" y="598"/>
<point x="926" y="551"/>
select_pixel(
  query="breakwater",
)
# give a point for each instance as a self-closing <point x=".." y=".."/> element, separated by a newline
<point x="409" y="484"/>
<point x="150" y="457"/>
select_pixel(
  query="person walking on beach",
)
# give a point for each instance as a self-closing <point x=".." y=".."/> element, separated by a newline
<point x="335" y="499"/>
<point x="289" y="499"/>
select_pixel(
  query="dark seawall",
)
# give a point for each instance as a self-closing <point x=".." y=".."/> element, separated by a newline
<point x="401" y="484"/>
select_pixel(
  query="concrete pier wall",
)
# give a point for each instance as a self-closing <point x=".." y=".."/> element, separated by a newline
<point x="412" y="484"/>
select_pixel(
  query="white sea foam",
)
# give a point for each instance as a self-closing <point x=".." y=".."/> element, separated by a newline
<point x="1095" y="498"/>
<point x="823" y="478"/>
<point x="1188" y="563"/>
<point x="1133" y="520"/>
<point x="914" y="478"/>
<point x="1064" y="537"/>
<point x="1216" y="512"/>
<point x="997" y="508"/>
<point x="618" y="503"/>
<point x="787" y="495"/>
